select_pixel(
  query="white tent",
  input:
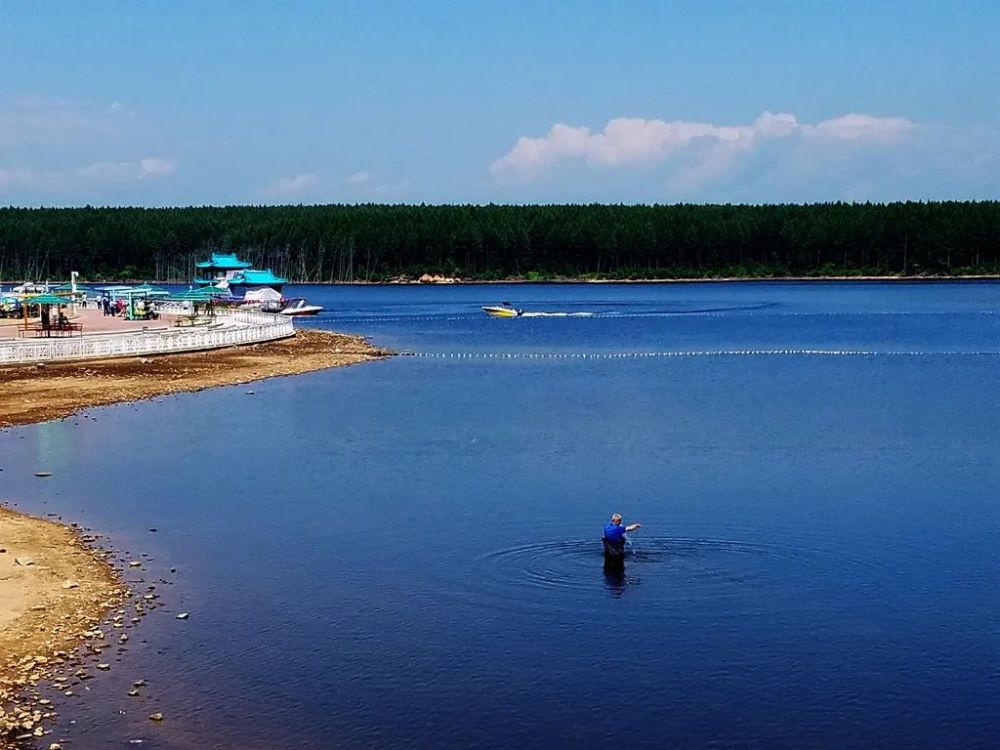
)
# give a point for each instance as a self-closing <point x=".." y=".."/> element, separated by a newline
<point x="264" y="294"/>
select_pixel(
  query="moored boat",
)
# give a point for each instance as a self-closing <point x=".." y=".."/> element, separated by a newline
<point x="300" y="306"/>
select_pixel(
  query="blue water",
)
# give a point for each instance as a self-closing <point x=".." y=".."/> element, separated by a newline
<point x="406" y="553"/>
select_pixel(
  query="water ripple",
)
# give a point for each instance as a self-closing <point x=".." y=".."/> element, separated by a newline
<point x="560" y="576"/>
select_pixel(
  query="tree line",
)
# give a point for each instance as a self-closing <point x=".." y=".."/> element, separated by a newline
<point x="338" y="243"/>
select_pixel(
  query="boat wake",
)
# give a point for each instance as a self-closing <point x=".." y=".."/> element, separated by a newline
<point x="559" y="315"/>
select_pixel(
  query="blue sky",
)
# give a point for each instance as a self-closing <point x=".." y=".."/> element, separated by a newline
<point x="180" y="103"/>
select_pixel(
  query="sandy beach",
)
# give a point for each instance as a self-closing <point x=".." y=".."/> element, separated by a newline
<point x="54" y="590"/>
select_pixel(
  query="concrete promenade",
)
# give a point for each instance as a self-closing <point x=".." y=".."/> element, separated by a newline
<point x="109" y="337"/>
<point x="94" y="322"/>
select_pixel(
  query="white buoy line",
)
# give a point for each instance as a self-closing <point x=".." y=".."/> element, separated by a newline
<point x="735" y="312"/>
<point x="696" y="353"/>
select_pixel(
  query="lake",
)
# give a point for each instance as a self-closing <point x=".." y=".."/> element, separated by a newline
<point x="406" y="554"/>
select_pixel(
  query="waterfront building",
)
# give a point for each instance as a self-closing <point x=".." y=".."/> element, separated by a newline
<point x="220" y="268"/>
<point x="226" y="271"/>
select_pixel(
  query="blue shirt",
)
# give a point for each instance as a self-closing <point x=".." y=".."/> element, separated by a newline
<point x="614" y="533"/>
<point x="614" y="539"/>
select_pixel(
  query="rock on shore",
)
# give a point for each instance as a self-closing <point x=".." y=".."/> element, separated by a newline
<point x="43" y="621"/>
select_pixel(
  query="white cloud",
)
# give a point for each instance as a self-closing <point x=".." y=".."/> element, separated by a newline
<point x="120" y="110"/>
<point x="775" y="157"/>
<point x="360" y="178"/>
<point x="635" y="141"/>
<point x="391" y="189"/>
<point x="19" y="177"/>
<point x="52" y="122"/>
<point x="368" y="184"/>
<point x="92" y="175"/>
<point x="856" y="126"/>
<point x="44" y="142"/>
<point x="108" y="172"/>
<point x="156" y="166"/>
<point x="290" y="187"/>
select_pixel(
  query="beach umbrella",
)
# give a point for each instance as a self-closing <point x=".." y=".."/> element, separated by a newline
<point x="45" y="299"/>
<point x="193" y="295"/>
<point x="150" y="291"/>
<point x="67" y="288"/>
<point x="215" y="291"/>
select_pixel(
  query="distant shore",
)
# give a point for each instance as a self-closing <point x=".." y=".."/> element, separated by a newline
<point x="445" y="280"/>
<point x="438" y="279"/>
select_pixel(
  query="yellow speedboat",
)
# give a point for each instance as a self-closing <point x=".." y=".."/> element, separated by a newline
<point x="504" y="310"/>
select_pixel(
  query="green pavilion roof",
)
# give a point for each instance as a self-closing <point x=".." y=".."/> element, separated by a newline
<point x="253" y="277"/>
<point x="224" y="262"/>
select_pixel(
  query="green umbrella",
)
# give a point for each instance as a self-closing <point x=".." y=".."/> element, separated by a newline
<point x="62" y="288"/>
<point x="194" y="295"/>
<point x="149" y="291"/>
<point x="46" y="299"/>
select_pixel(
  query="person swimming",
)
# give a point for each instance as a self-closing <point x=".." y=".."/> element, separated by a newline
<point x="614" y="540"/>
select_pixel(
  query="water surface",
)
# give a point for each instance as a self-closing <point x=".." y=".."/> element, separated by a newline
<point x="405" y="553"/>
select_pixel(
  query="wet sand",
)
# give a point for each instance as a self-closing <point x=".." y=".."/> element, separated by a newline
<point x="54" y="390"/>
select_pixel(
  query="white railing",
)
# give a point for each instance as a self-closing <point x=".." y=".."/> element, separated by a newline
<point x="234" y="328"/>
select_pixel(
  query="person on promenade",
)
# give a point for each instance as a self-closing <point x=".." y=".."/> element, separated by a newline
<point x="614" y="540"/>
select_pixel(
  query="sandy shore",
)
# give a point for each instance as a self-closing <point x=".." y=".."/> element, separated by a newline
<point x="54" y="590"/>
<point x="38" y="394"/>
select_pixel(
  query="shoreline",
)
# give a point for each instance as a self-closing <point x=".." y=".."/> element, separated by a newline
<point x="446" y="281"/>
<point x="55" y="591"/>
<point x="56" y="390"/>
<point x="459" y="281"/>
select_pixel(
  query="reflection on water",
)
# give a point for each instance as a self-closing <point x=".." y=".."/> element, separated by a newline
<point x="614" y="575"/>
<point x="407" y="554"/>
